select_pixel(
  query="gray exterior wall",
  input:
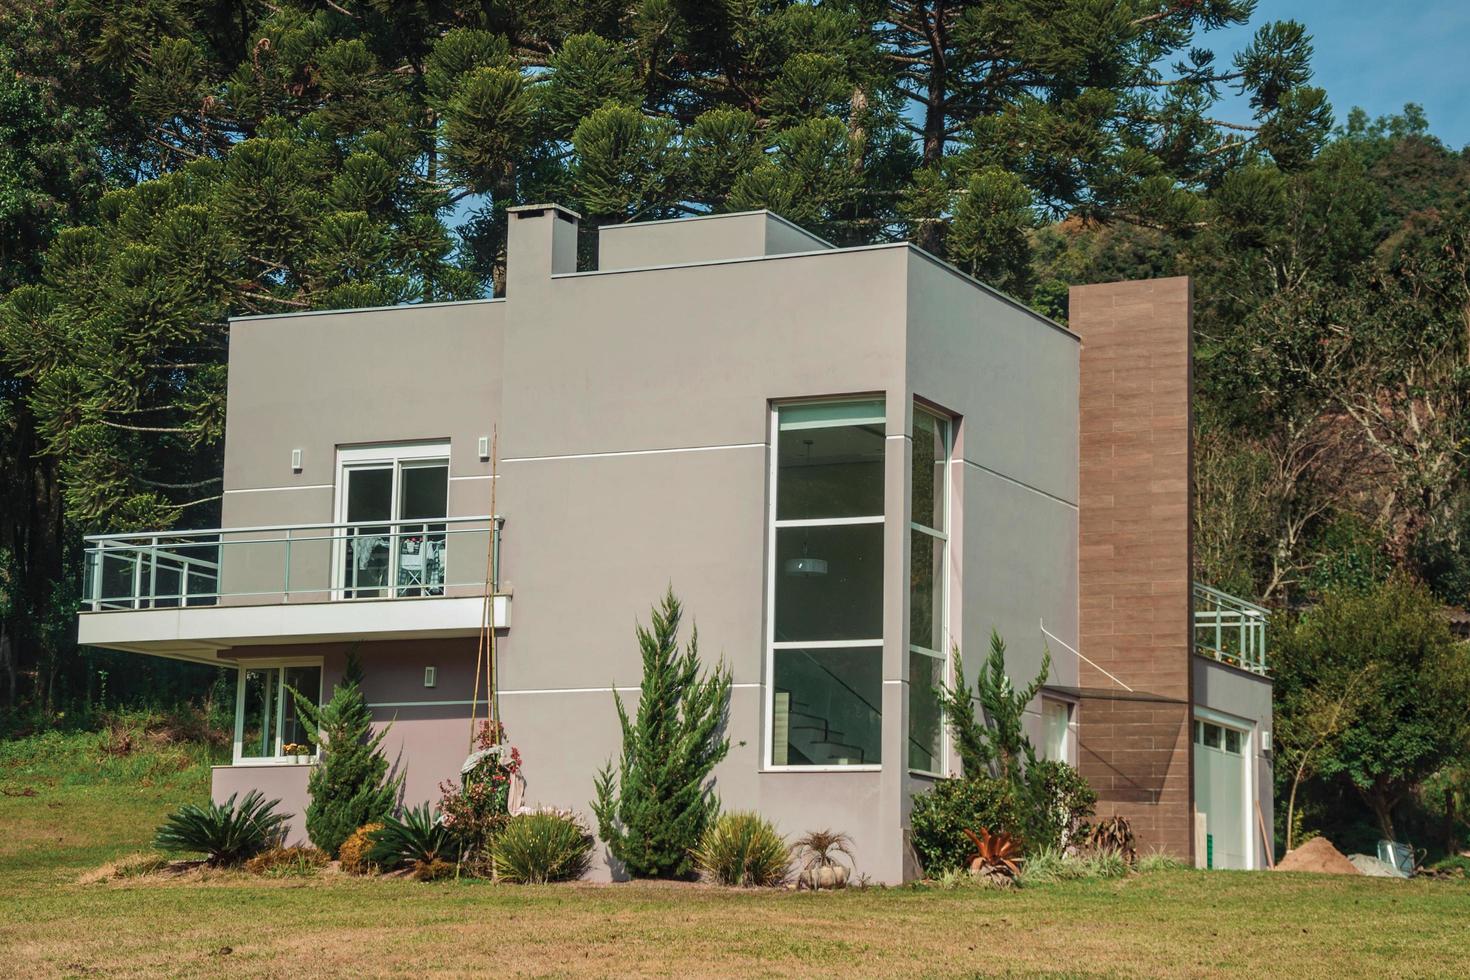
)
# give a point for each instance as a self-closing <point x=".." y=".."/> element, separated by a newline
<point x="745" y="235"/>
<point x="633" y="410"/>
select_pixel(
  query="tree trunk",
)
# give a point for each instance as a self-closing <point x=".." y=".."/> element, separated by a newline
<point x="1381" y="804"/>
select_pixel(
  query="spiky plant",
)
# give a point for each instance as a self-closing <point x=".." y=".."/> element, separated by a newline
<point x="742" y="849"/>
<point x="819" y="849"/>
<point x="997" y="856"/>
<point x="418" y="841"/>
<point x="535" y="848"/>
<point x="224" y="833"/>
<point x="1112" y="835"/>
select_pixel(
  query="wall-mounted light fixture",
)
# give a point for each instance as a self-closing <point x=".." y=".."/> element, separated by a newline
<point x="431" y="676"/>
<point x="484" y="448"/>
<point x="295" y="461"/>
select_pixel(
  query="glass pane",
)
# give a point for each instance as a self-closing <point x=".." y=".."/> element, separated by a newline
<point x="1232" y="741"/>
<point x="118" y="585"/>
<point x="829" y="582"/>
<point x="423" y="492"/>
<point x="827" y="707"/>
<point x="1054" y="716"/>
<point x="926" y="600"/>
<point x="830" y="472"/>
<point x="930" y="435"/>
<point x="258" y="713"/>
<point x="816" y="415"/>
<point x="1212" y="736"/>
<point x="369" y="498"/>
<point x="925" y="718"/>
<point x="306" y="681"/>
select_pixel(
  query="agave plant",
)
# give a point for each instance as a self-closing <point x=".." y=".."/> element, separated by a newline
<point x="224" y="833"/>
<point x="1113" y="835"/>
<point x="418" y="841"/>
<point x="816" y="853"/>
<point x="997" y="856"/>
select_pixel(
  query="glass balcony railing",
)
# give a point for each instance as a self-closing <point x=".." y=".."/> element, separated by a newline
<point x="1230" y="629"/>
<point x="294" y="563"/>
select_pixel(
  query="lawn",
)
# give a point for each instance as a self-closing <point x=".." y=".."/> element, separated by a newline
<point x="89" y="807"/>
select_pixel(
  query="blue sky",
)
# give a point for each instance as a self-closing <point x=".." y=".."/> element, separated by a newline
<point x="1378" y="55"/>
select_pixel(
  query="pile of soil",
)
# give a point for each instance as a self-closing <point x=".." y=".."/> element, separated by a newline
<point x="1317" y="855"/>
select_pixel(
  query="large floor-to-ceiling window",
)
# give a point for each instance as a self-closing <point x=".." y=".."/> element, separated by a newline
<point x="928" y="592"/>
<point x="826" y="581"/>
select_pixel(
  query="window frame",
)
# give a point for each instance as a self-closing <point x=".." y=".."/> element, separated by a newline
<point x="942" y="585"/>
<point x="768" y="698"/>
<point x="1069" y="739"/>
<point x="395" y="457"/>
<point x="279" y="666"/>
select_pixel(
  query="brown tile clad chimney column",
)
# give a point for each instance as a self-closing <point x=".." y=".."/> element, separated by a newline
<point x="1135" y="555"/>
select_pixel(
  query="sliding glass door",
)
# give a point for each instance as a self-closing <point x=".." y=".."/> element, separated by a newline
<point x="393" y="506"/>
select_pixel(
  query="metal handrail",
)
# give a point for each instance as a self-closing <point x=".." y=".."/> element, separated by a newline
<point x="1230" y="629"/>
<point x="197" y="558"/>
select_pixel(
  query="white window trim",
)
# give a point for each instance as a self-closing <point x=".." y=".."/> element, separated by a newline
<point x="391" y="455"/>
<point x="1069" y="740"/>
<point x="944" y="586"/>
<point x="1247" y="730"/>
<point x="278" y="666"/>
<point x="768" y="697"/>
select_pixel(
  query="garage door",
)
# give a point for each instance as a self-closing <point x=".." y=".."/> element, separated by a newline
<point x="1220" y="774"/>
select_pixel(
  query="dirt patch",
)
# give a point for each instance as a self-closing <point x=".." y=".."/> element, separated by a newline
<point x="1319" y="856"/>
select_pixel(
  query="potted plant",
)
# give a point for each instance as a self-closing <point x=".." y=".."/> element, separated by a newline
<point x="297" y="752"/>
<point x="817" y="852"/>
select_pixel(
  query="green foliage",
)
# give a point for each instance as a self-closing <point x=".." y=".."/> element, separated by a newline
<point x="351" y="785"/>
<point x="653" y="808"/>
<point x="742" y="848"/>
<point x="1415" y="720"/>
<point x="224" y="833"/>
<point x="996" y="745"/>
<point x="1063" y="801"/>
<point x="535" y="848"/>
<point x="418" y="840"/>
<point x="941" y="816"/>
<point x="1049" y="865"/>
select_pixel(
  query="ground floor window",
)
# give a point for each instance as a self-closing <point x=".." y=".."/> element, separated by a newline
<point x="267" y="726"/>
<point x="825" y="672"/>
<point x="1056" y="730"/>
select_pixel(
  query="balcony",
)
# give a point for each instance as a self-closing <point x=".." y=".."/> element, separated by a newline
<point x="194" y="594"/>
<point x="1230" y="629"/>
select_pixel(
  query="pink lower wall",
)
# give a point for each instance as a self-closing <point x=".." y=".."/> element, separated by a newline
<point x="286" y="783"/>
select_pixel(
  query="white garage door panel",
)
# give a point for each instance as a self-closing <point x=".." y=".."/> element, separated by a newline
<point x="1220" y="773"/>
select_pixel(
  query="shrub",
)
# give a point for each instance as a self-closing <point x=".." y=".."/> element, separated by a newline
<point x="1113" y="835"/>
<point x="353" y="854"/>
<point x="742" y="849"/>
<point x="1063" y="799"/>
<point x="652" y="810"/>
<point x="477" y="809"/>
<point x="1159" y="861"/>
<point x="351" y="785"/>
<point x="225" y="834"/>
<point x="417" y="841"/>
<point x="538" y="847"/>
<point x="941" y="816"/>
<point x="287" y="862"/>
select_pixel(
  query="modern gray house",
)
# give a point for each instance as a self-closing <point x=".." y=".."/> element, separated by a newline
<point x="848" y="464"/>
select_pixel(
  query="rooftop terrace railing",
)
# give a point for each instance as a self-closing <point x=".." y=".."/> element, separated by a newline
<point x="1230" y="629"/>
<point x="299" y="562"/>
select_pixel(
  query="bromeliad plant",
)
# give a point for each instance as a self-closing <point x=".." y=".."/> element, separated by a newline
<point x="997" y="857"/>
<point x="419" y="841"/>
<point x="224" y="833"/>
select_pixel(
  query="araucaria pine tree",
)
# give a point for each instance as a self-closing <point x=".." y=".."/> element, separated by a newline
<point x="653" y="808"/>
<point x="350" y="786"/>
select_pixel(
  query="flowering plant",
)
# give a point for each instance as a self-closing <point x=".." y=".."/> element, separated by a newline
<point x="295" y="748"/>
<point x="478" y="808"/>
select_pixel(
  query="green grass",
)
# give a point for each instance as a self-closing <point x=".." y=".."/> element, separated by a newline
<point x="90" y="809"/>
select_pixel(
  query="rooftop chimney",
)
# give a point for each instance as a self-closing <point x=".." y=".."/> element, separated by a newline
<point x="541" y="241"/>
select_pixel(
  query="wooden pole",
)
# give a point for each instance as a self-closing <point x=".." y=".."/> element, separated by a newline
<point x="1265" y="838"/>
<point x="487" y="626"/>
